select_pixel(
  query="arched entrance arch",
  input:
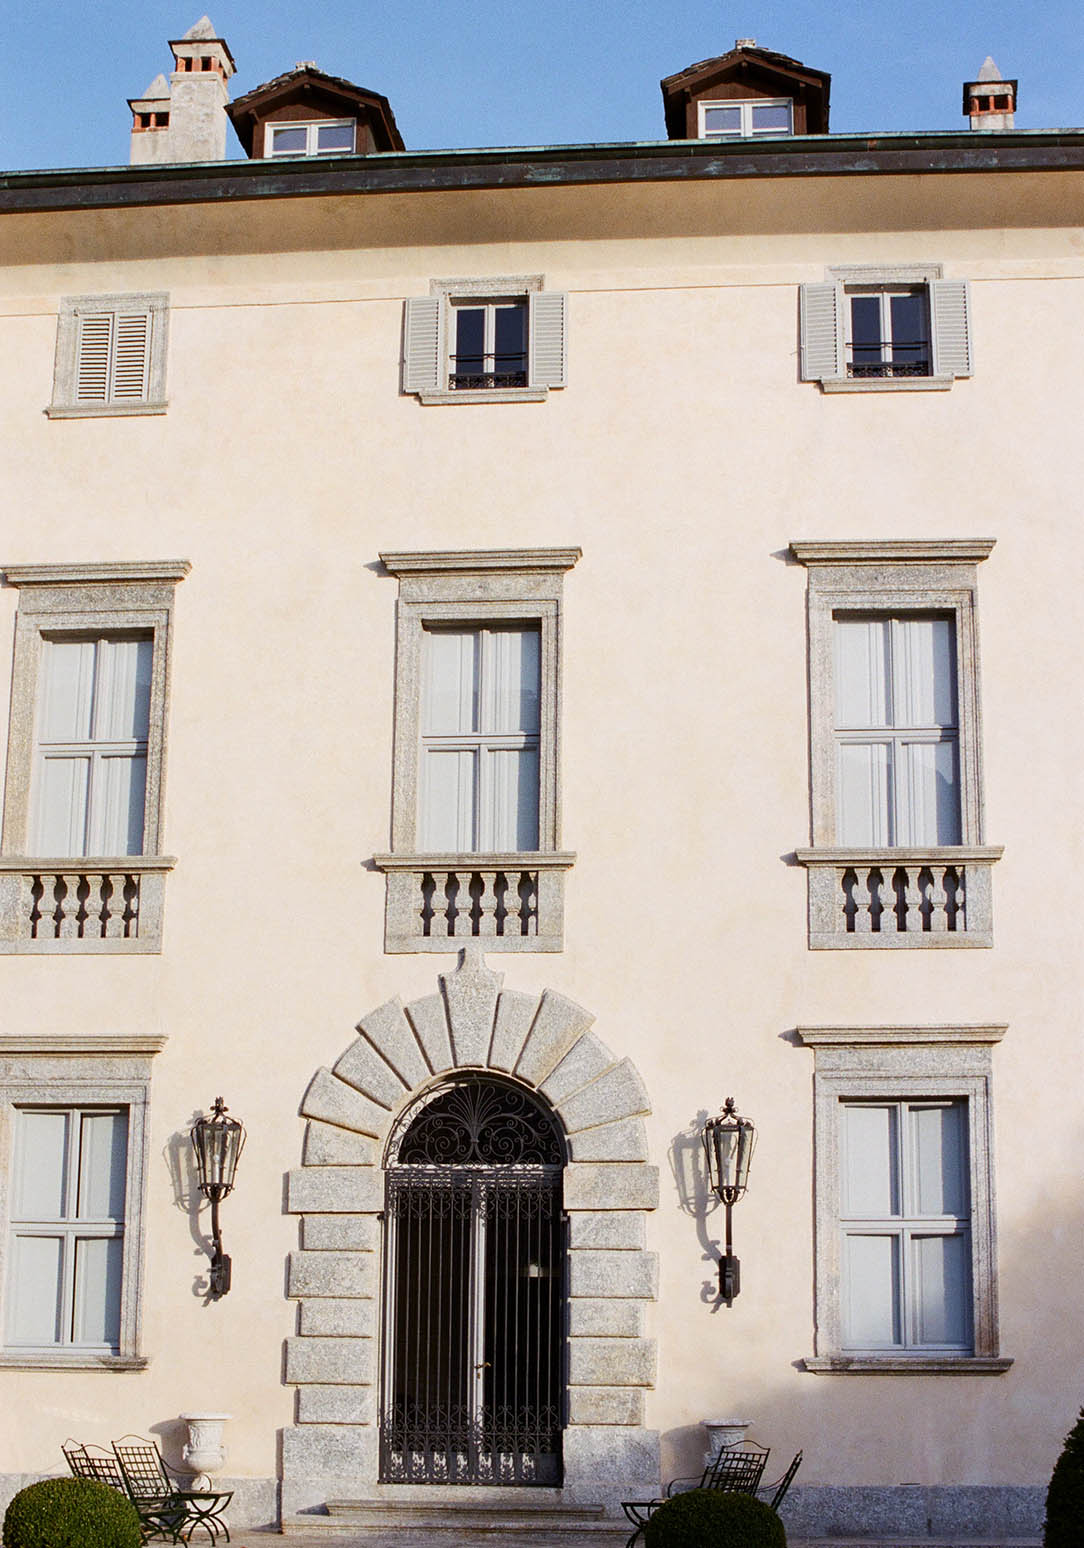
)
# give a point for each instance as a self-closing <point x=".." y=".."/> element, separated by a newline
<point x="540" y="1044"/>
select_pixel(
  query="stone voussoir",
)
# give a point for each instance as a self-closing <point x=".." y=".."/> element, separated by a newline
<point x="334" y="1099"/>
<point x="625" y="1140"/>
<point x="557" y="1026"/>
<point x="618" y="1093"/>
<point x="584" y="1062"/>
<point x="391" y="1034"/>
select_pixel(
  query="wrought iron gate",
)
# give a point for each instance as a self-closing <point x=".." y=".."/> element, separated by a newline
<point x="474" y="1295"/>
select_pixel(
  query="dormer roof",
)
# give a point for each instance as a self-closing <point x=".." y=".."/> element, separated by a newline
<point x="313" y="93"/>
<point x="747" y="70"/>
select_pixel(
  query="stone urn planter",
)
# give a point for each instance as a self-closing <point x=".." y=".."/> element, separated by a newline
<point x="723" y="1432"/>
<point x="204" y="1452"/>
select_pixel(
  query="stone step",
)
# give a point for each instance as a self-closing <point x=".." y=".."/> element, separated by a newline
<point x="401" y="1523"/>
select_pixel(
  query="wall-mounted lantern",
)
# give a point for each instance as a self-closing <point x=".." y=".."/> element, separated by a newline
<point x="218" y="1142"/>
<point x="728" y="1145"/>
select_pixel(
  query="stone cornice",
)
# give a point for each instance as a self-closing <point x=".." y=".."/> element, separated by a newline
<point x="470" y="561"/>
<point x="111" y="572"/>
<point x="892" y="551"/>
<point x="865" y="1037"/>
<point x="89" y="1044"/>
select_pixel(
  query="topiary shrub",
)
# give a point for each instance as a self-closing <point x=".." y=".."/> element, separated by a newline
<point x="71" y="1513"/>
<point x="1064" y="1525"/>
<point x="708" y="1518"/>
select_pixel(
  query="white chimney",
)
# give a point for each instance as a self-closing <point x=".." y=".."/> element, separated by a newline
<point x="185" y="120"/>
<point x="990" y="101"/>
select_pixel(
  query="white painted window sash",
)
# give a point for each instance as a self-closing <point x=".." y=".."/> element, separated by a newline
<point x="747" y="131"/>
<point x="312" y="129"/>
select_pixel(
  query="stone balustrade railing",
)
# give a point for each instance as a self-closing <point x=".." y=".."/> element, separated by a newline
<point x="514" y="902"/>
<point x="85" y="904"/>
<point x="900" y="897"/>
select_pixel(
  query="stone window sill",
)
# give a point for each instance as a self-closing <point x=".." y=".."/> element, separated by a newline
<point x="487" y="395"/>
<point x="103" y="410"/>
<point x="69" y="1360"/>
<point x="907" y="1365"/>
<point x="886" y="383"/>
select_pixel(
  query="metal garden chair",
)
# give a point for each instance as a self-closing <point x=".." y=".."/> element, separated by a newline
<point x="164" y="1509"/>
<point x="94" y="1462"/>
<point x="736" y="1470"/>
<point x="781" y="1485"/>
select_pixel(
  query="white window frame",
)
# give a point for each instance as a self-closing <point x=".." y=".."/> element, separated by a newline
<point x="746" y="105"/>
<point x="73" y="1072"/>
<point x="825" y="326"/>
<point x="429" y="338"/>
<point x="889" y="579"/>
<point x="73" y="314"/>
<point x="474" y="590"/>
<point x="89" y="600"/>
<point x="312" y="126"/>
<point x="901" y="1064"/>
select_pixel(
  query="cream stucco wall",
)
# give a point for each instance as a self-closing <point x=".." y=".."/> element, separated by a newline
<point x="682" y="457"/>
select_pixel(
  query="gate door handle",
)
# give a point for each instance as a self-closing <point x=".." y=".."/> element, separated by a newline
<point x="481" y="1366"/>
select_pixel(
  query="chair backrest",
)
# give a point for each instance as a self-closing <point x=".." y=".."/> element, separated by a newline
<point x="737" y="1469"/>
<point x="103" y="1466"/>
<point x="141" y="1468"/>
<point x="785" y="1482"/>
<point x="75" y="1454"/>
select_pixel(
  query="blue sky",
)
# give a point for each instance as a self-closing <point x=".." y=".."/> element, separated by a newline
<point x="493" y="73"/>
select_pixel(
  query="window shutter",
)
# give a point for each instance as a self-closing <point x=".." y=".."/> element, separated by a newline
<point x="820" y="310"/>
<point x="423" y="354"/>
<point x="548" y="338"/>
<point x="92" y="352"/>
<point x="950" y="309"/>
<point x="131" y="356"/>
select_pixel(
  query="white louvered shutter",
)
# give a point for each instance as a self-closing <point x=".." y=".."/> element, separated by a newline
<point x="423" y="352"/>
<point x="950" y="310"/>
<point x="548" y="338"/>
<point x="821" y="317"/>
<point x="94" y="346"/>
<point x="131" y="356"/>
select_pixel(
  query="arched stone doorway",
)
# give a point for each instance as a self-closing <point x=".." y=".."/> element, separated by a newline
<point x="474" y="1288"/>
<point x="540" y="1044"/>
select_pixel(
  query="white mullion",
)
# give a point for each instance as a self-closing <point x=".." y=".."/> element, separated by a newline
<point x="73" y="1154"/>
<point x="489" y="363"/>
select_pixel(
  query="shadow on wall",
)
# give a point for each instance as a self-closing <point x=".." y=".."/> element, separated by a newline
<point x="181" y="1165"/>
<point x="688" y="1167"/>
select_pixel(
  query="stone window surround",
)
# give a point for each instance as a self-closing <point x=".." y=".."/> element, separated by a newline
<point x="901" y="1062"/>
<point x="889" y="577"/>
<point x="474" y="588"/>
<point x="545" y="1042"/>
<point x="76" y="1070"/>
<point x="65" y="404"/>
<point x="73" y="598"/>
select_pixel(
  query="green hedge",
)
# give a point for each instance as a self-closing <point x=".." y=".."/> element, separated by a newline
<point x="70" y="1513"/>
<point x="708" y="1518"/>
<point x="1064" y="1525"/>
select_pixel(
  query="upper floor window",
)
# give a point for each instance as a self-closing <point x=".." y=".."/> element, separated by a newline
<point x="110" y="356"/>
<point x="746" y="118"/>
<point x="475" y="798"/>
<point x="85" y="758"/>
<point x="487" y="340"/>
<point x="885" y="328"/>
<point x="314" y="137"/>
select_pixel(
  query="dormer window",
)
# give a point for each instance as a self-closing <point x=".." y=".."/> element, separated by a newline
<point x="752" y="118"/>
<point x="317" y="137"/>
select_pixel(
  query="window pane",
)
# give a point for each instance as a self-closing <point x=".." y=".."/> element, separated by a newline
<point x="451" y="682"/>
<point x="510" y="340"/>
<point x="871" y="1315"/>
<point x="862" y="671"/>
<point x="924" y="671"/>
<point x="123" y="714"/>
<point x="930" y="804"/>
<point x="722" y="120"/>
<point x="515" y="664"/>
<point x="62" y="803"/>
<point x="870" y="1161"/>
<point x="941" y="1269"/>
<point x="448" y="801"/>
<point x="939" y="1144"/>
<point x="331" y="137"/>
<point x="288" y="140"/>
<point x="40" y="1180"/>
<point x="864" y="772"/>
<point x="910" y="332"/>
<point x="68" y="674"/>
<point x="512" y="817"/>
<point x="103" y="1166"/>
<point x="771" y="116"/>
<point x="98" y="1264"/>
<point x="35" y="1289"/>
<point x="470" y="339"/>
<point x="866" y="335"/>
<point x="119" y="796"/>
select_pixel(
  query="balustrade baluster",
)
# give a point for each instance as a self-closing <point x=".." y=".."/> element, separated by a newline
<point x="69" y="907"/>
<point x="864" y="895"/>
<point x="960" y="873"/>
<point x="113" y="907"/>
<point x="914" y="900"/>
<point x="462" y="924"/>
<point x="94" y="926"/>
<point x="36" y="898"/>
<point x="527" y="892"/>
<point x="938" y="901"/>
<point x="487" y="903"/>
